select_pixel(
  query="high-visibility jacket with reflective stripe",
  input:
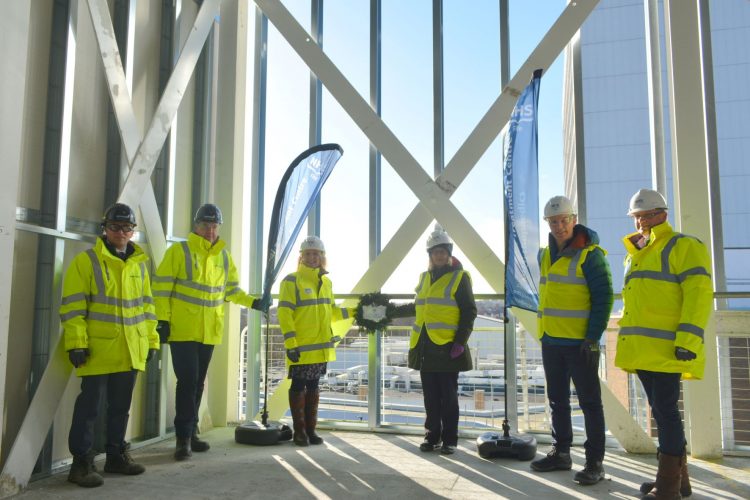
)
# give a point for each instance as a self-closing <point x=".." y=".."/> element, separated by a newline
<point x="107" y="308"/>
<point x="306" y="310"/>
<point x="668" y="296"/>
<point x="564" y="297"/>
<point x="436" y="308"/>
<point x="190" y="288"/>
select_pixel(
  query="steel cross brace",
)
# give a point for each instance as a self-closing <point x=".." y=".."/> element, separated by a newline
<point x="142" y="156"/>
<point x="433" y="195"/>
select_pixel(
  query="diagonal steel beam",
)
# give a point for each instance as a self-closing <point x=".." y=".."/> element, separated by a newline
<point x="477" y="143"/>
<point x="148" y="151"/>
<point x="130" y="132"/>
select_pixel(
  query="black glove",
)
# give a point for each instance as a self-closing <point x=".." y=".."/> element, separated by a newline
<point x="590" y="354"/>
<point x="261" y="304"/>
<point x="78" y="357"/>
<point x="683" y="354"/>
<point x="293" y="354"/>
<point x="163" y="329"/>
<point x="151" y="353"/>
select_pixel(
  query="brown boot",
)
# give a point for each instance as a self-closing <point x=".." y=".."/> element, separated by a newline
<point x="312" y="399"/>
<point x="667" y="485"/>
<point x="685" y="489"/>
<point x="297" y="405"/>
<point x="83" y="472"/>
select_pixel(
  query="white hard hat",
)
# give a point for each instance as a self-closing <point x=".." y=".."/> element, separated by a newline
<point x="439" y="237"/>
<point x="558" y="205"/>
<point x="312" y="243"/>
<point x="646" y="199"/>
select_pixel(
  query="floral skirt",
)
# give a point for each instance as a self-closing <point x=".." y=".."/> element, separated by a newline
<point x="308" y="372"/>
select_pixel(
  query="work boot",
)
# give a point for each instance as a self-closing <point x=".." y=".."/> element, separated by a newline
<point x="312" y="399"/>
<point x="122" y="463"/>
<point x="83" y="472"/>
<point x="182" y="451"/>
<point x="667" y="486"/>
<point x="297" y="406"/>
<point x="197" y="444"/>
<point x="592" y="473"/>
<point x="555" y="460"/>
<point x="685" y="489"/>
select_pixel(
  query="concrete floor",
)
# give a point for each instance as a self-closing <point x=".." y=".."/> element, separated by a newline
<point x="355" y="464"/>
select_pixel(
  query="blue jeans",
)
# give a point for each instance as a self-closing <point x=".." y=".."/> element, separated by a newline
<point x="561" y="364"/>
<point x="190" y="362"/>
<point x="663" y="392"/>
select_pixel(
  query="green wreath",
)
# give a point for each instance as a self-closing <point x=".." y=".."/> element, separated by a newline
<point x="374" y="299"/>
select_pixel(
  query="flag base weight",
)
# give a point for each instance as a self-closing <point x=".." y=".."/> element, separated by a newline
<point x="506" y="445"/>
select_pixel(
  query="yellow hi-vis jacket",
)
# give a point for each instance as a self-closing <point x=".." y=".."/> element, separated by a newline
<point x="668" y="298"/>
<point x="436" y="308"/>
<point x="107" y="308"/>
<point x="564" y="296"/>
<point x="306" y="311"/>
<point x="190" y="288"/>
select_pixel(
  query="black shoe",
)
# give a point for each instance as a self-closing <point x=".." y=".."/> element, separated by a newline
<point x="427" y="446"/>
<point x="592" y="473"/>
<point x="122" y="463"/>
<point x="447" y="449"/>
<point x="197" y="444"/>
<point x="555" y="460"/>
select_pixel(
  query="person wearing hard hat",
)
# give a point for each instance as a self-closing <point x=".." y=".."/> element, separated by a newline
<point x="306" y="310"/>
<point x="192" y="283"/>
<point x="575" y="301"/>
<point x="109" y="325"/>
<point x="445" y="311"/>
<point x="668" y="299"/>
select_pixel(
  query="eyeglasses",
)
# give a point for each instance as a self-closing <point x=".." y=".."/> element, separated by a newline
<point x="118" y="228"/>
<point x="208" y="225"/>
<point x="648" y="215"/>
<point x="563" y="220"/>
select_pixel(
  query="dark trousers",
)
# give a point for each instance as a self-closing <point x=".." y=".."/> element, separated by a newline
<point x="119" y="389"/>
<point x="190" y="362"/>
<point x="440" y="390"/>
<point x="561" y="364"/>
<point x="663" y="392"/>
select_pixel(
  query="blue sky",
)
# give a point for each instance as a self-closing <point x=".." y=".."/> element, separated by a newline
<point x="472" y="83"/>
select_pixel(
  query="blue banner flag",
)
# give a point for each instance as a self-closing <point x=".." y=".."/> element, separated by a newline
<point x="521" y="200"/>
<point x="298" y="190"/>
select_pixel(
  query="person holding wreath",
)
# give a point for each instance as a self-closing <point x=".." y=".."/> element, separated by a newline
<point x="306" y="310"/>
<point x="445" y="310"/>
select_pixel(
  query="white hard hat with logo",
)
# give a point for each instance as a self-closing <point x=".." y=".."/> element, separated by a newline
<point x="558" y="205"/>
<point x="312" y="243"/>
<point x="646" y="199"/>
<point x="438" y="237"/>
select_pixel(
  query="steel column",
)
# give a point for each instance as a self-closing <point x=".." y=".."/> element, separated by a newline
<point x="692" y="204"/>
